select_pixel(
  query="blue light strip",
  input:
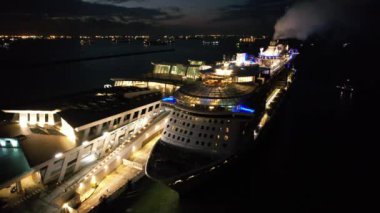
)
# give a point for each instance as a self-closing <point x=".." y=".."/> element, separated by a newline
<point x="243" y="109"/>
<point x="169" y="99"/>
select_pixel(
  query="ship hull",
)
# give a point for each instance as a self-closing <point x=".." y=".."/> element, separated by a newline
<point x="227" y="168"/>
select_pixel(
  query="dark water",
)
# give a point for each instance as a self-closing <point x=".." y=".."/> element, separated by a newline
<point x="320" y="154"/>
<point x="28" y="71"/>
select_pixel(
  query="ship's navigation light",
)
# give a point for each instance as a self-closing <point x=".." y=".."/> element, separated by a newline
<point x="169" y="99"/>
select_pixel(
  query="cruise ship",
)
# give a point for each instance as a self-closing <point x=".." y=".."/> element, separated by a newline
<point x="218" y="118"/>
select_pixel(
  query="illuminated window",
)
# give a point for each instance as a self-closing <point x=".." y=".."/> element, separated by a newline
<point x="227" y="130"/>
<point x="245" y="79"/>
<point x="161" y="69"/>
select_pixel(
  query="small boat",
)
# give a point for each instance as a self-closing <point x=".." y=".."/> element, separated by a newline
<point x="345" y="86"/>
<point x="5" y="45"/>
<point x="210" y="42"/>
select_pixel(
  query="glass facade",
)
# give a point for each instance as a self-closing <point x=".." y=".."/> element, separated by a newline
<point x="192" y="72"/>
<point x="161" y="69"/>
<point x="178" y="69"/>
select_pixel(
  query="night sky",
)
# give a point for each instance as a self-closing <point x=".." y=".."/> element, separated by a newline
<point x="159" y="16"/>
<point x="140" y="16"/>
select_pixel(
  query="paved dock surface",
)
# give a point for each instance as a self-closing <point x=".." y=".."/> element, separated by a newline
<point x="119" y="177"/>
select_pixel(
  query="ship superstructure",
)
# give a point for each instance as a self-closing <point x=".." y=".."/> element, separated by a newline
<point x="221" y="115"/>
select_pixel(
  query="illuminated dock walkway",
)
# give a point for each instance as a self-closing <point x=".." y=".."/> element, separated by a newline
<point x="118" y="178"/>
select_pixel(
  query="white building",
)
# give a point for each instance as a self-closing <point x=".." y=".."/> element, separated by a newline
<point x="45" y="143"/>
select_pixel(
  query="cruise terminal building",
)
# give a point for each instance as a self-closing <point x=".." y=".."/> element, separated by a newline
<point x="47" y="142"/>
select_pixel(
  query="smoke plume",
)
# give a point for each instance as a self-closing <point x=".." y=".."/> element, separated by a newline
<point x="306" y="18"/>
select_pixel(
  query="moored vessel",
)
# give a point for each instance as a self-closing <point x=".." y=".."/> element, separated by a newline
<point x="217" y="119"/>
